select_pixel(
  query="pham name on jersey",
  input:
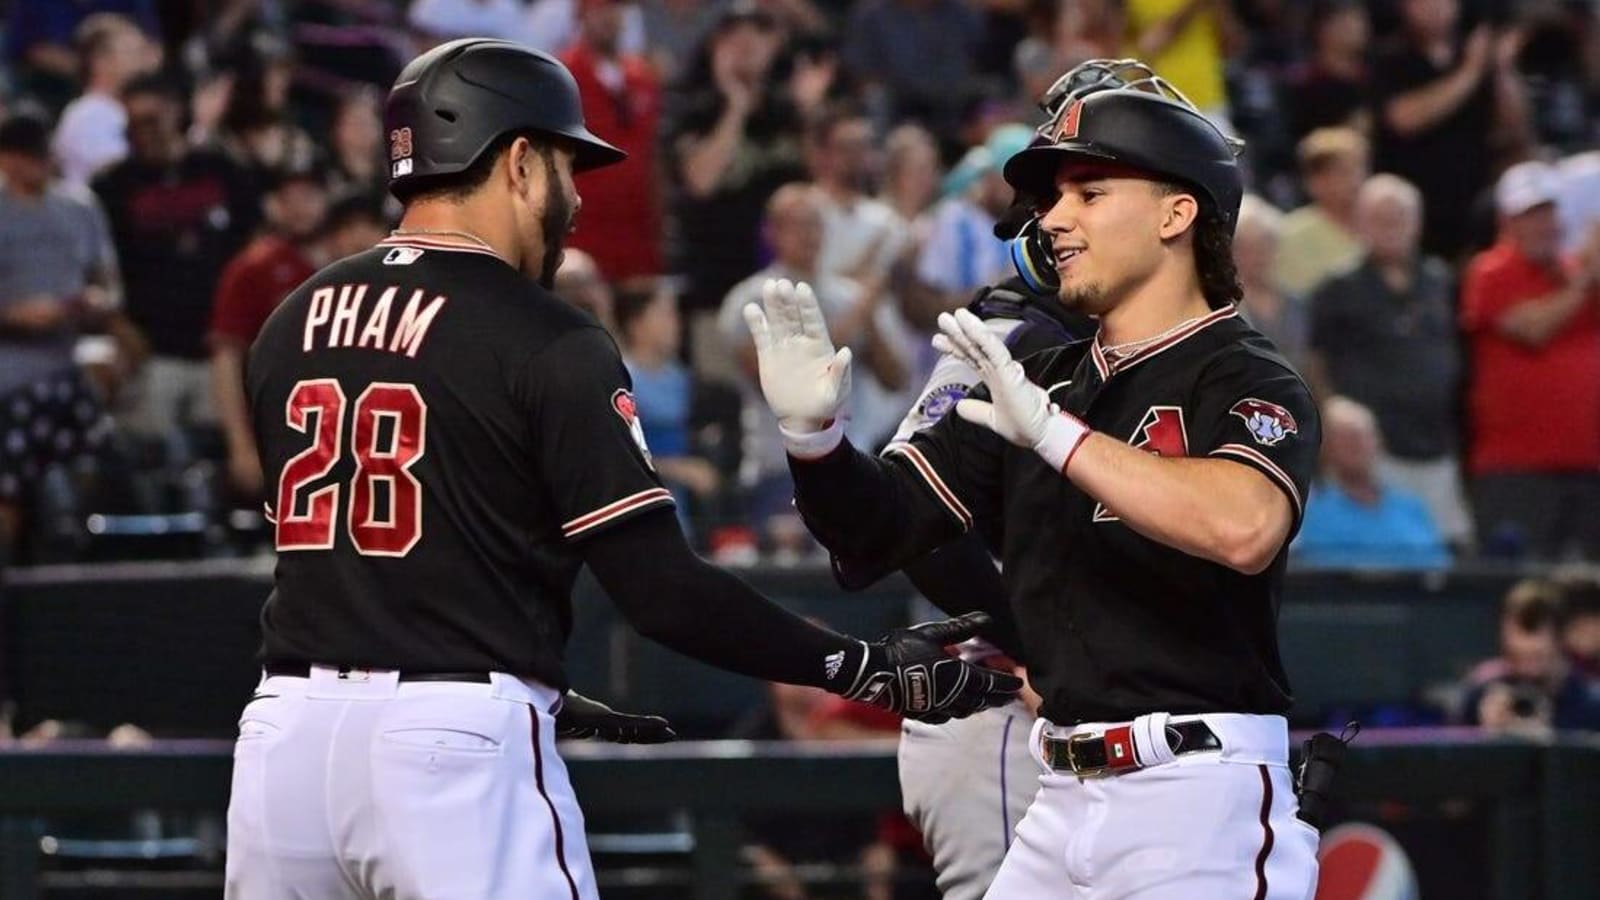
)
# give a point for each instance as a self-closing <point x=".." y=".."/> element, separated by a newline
<point x="336" y="319"/>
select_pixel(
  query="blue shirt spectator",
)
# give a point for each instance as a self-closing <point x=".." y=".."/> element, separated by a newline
<point x="1353" y="519"/>
<point x="648" y="328"/>
<point x="663" y="394"/>
<point x="1394" y="532"/>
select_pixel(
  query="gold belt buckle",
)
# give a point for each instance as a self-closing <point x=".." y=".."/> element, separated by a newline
<point x="1072" y="757"/>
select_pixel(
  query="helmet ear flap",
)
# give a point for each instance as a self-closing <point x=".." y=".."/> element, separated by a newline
<point x="1031" y="255"/>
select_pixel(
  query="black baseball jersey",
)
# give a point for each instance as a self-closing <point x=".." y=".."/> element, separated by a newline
<point x="437" y="431"/>
<point x="1113" y="624"/>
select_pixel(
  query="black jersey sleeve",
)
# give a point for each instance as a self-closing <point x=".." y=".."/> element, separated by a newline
<point x="1256" y="411"/>
<point x="919" y="495"/>
<point x="585" y="427"/>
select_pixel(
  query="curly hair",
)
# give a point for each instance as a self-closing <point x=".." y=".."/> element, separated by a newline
<point x="1213" y="261"/>
<point x="1213" y="252"/>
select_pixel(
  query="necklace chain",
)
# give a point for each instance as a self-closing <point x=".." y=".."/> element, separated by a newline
<point x="443" y="232"/>
<point x="1128" y="348"/>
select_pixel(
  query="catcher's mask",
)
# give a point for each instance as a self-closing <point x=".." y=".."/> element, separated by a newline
<point x="1119" y="110"/>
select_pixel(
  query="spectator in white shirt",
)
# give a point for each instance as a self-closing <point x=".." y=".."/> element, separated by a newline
<point x="861" y="240"/>
<point x="92" y="134"/>
<point x="794" y="229"/>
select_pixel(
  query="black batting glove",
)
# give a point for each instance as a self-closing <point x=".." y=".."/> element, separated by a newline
<point x="581" y="717"/>
<point x="908" y="671"/>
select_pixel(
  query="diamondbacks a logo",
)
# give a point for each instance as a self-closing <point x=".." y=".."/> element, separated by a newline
<point x="1067" y="127"/>
<point x="400" y="150"/>
<point x="1268" y="423"/>
<point x="1161" y="432"/>
<point x="623" y="405"/>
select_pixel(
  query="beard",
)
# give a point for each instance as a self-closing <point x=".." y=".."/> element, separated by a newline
<point x="1090" y="299"/>
<point x="555" y="222"/>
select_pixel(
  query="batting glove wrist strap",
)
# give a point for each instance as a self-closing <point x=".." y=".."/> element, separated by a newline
<point x="909" y="672"/>
<point x="1064" y="433"/>
<point x="809" y="445"/>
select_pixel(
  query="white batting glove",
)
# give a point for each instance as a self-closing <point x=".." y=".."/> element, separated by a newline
<point x="1019" y="411"/>
<point x="805" y="381"/>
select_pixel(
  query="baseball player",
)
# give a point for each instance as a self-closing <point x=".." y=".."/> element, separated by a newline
<point x="965" y="784"/>
<point x="1144" y="487"/>
<point x="446" y="444"/>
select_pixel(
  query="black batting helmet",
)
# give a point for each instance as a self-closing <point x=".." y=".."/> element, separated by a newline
<point x="451" y="103"/>
<point x="1121" y="111"/>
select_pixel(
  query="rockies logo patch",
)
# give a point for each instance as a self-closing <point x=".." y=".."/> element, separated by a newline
<point x="942" y="399"/>
<point x="1268" y="423"/>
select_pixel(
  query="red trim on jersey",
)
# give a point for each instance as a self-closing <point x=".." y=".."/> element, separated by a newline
<point x="931" y="476"/>
<point x="1167" y="343"/>
<point x="426" y="243"/>
<point x="555" y="819"/>
<point x="1099" y="357"/>
<point x="611" y="511"/>
<point x="1266" y="832"/>
<point x="1272" y="468"/>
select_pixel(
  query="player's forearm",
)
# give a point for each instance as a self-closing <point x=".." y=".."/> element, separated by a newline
<point x="865" y="507"/>
<point x="1211" y="508"/>
<point x="676" y="599"/>
<point x="961" y="577"/>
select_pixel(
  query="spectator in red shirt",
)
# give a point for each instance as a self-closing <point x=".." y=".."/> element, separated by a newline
<point x="1534" y="403"/>
<point x="621" y="221"/>
<point x="305" y="235"/>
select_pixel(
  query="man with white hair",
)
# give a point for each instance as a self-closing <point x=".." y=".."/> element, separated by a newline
<point x="1356" y="517"/>
<point x="93" y="133"/>
<point x="1384" y="334"/>
<point x="1534" y="327"/>
<point x="1272" y="309"/>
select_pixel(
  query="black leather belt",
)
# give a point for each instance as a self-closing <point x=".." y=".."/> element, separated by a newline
<point x="303" y="670"/>
<point x="1087" y="755"/>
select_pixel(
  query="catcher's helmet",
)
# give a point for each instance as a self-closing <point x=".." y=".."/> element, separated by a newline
<point x="449" y="105"/>
<point x="1118" y="110"/>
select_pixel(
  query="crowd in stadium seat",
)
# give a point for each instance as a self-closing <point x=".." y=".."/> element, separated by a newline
<point x="1545" y="677"/>
<point x="1422" y="237"/>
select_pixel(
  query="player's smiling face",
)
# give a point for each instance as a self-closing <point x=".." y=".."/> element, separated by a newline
<point x="1106" y="228"/>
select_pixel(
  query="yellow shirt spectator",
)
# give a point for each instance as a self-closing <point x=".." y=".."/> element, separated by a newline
<point x="1311" y="248"/>
<point x="1190" y="57"/>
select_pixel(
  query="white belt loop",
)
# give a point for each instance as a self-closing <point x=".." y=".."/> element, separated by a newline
<point x="1150" y="744"/>
<point x="1036" y="743"/>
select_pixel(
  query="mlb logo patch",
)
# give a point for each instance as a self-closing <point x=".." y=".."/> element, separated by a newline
<point x="402" y="256"/>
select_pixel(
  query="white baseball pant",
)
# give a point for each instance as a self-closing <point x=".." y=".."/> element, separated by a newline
<point x="1202" y="825"/>
<point x="363" y="786"/>
<point x="965" y="785"/>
